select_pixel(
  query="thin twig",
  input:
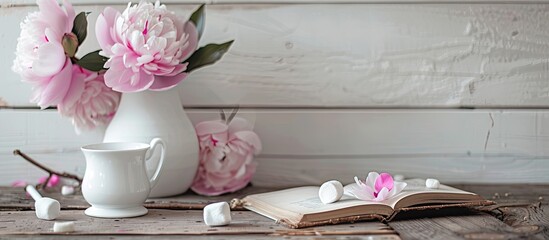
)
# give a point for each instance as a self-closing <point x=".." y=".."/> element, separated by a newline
<point x="233" y="114"/>
<point x="222" y="114"/>
<point x="47" y="169"/>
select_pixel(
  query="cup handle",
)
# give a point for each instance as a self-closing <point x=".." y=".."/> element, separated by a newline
<point x="155" y="142"/>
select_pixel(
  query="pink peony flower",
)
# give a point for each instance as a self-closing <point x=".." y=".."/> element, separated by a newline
<point x="377" y="187"/>
<point x="91" y="102"/>
<point x="40" y="56"/>
<point x="146" y="45"/>
<point x="226" y="156"/>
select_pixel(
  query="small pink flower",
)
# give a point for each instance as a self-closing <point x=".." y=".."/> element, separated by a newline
<point x="54" y="180"/>
<point x="226" y="156"/>
<point x="146" y="45"/>
<point x="377" y="187"/>
<point x="90" y="103"/>
<point x="40" y="56"/>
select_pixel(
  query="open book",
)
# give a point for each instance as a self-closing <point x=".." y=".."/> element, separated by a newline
<point x="301" y="207"/>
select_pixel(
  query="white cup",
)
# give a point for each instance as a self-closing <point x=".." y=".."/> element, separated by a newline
<point x="115" y="182"/>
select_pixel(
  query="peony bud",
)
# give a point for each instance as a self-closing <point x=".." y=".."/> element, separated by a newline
<point x="70" y="44"/>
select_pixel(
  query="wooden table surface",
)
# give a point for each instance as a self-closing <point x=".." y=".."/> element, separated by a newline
<point x="521" y="212"/>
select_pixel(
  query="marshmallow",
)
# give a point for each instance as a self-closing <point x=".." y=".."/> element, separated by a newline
<point x="398" y="177"/>
<point x="217" y="214"/>
<point x="46" y="208"/>
<point x="67" y="190"/>
<point x="432" y="183"/>
<point x="330" y="191"/>
<point x="63" y="227"/>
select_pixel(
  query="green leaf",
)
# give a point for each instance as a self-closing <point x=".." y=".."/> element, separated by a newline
<point x="207" y="55"/>
<point x="198" y="18"/>
<point x="80" y="27"/>
<point x="92" y="61"/>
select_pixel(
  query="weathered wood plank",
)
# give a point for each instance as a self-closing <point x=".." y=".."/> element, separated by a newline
<point x="532" y="217"/>
<point x="166" y="222"/>
<point x="14" y="198"/>
<point x="201" y="237"/>
<point x="442" y="225"/>
<point x="510" y="194"/>
<point x="310" y="146"/>
<point x="362" y="55"/>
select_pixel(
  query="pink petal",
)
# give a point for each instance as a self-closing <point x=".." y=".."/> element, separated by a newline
<point x="19" y="183"/>
<point x="382" y="195"/>
<point x="371" y="179"/>
<point x="69" y="12"/>
<point x="213" y="162"/>
<point x="201" y="187"/>
<point x="242" y="181"/>
<point x="384" y="180"/>
<point x="360" y="192"/>
<point x="57" y="87"/>
<point x="250" y="138"/>
<point x="103" y="29"/>
<point x="144" y="59"/>
<point x="359" y="182"/>
<point x="192" y="39"/>
<point x="118" y="73"/>
<point x="76" y="88"/>
<point x="54" y="180"/>
<point x="51" y="59"/>
<point x="217" y="180"/>
<point x="163" y="83"/>
<point x="54" y="15"/>
<point x="235" y="160"/>
<point x="399" y="186"/>
<point x="240" y="124"/>
<point x="175" y="70"/>
<point x="53" y="36"/>
<point x="129" y="59"/>
<point x="212" y="128"/>
<point x="123" y="79"/>
<point x="136" y="40"/>
<point x="139" y="82"/>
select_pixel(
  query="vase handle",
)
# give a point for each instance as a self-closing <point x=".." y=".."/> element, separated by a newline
<point x="155" y="142"/>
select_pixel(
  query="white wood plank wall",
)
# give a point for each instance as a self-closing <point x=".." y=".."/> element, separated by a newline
<point x="340" y="88"/>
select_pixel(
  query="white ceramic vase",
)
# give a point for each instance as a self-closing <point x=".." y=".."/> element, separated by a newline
<point x="145" y="115"/>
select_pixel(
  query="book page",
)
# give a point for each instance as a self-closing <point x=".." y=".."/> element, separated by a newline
<point x="304" y="200"/>
<point x="417" y="186"/>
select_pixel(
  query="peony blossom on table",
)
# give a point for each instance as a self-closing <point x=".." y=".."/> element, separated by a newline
<point x="146" y="46"/>
<point x="226" y="156"/>
<point x="376" y="187"/>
